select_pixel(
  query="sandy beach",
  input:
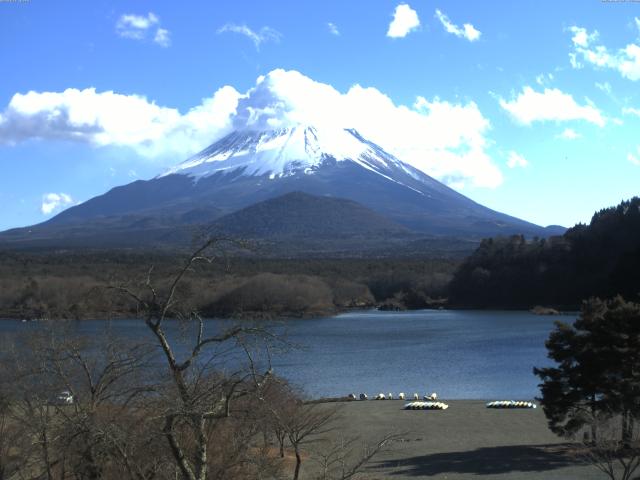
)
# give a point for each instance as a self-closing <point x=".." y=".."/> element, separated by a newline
<point x="467" y="441"/>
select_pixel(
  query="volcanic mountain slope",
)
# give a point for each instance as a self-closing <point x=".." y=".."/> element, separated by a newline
<point x="298" y="224"/>
<point x="300" y="215"/>
<point x="247" y="167"/>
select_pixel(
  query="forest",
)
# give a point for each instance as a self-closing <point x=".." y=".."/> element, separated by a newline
<point x="600" y="259"/>
<point x="76" y="285"/>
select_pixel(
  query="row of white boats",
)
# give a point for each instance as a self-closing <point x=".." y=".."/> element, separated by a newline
<point x="444" y="406"/>
<point x="389" y="396"/>
<point x="429" y="401"/>
<point x="510" y="404"/>
<point x="426" y="406"/>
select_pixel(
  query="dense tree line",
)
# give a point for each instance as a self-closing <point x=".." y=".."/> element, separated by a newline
<point x="599" y="259"/>
<point x="69" y="284"/>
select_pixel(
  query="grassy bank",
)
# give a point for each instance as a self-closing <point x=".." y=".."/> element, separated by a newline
<point x="466" y="441"/>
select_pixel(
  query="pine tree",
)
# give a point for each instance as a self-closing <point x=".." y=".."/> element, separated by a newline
<point x="598" y="369"/>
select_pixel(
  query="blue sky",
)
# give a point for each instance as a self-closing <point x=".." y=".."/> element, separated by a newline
<point x="531" y="107"/>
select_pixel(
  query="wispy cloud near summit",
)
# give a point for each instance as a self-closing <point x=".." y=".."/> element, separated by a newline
<point x="265" y="34"/>
<point x="53" y="202"/>
<point x="140" y="27"/>
<point x="467" y="31"/>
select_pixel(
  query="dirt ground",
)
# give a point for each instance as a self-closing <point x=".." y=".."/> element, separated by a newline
<point x="467" y="441"/>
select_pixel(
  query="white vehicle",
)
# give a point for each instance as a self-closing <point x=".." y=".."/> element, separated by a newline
<point x="64" y="398"/>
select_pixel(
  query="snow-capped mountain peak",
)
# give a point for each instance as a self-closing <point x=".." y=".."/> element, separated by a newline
<point x="248" y="168"/>
<point x="287" y="151"/>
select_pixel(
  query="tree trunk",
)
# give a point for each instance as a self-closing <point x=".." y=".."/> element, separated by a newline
<point x="626" y="433"/>
<point x="201" y="458"/>
<point x="176" y="450"/>
<point x="296" y="473"/>
<point x="90" y="468"/>
<point x="594" y="423"/>
<point x="280" y="436"/>
<point x="45" y="451"/>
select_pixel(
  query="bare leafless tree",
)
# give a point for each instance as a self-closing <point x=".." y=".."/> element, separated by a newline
<point x="12" y="441"/>
<point x="27" y="411"/>
<point x="345" y="458"/>
<point x="99" y="434"/>
<point x="617" y="459"/>
<point x="303" y="424"/>
<point x="198" y="394"/>
<point x="191" y="403"/>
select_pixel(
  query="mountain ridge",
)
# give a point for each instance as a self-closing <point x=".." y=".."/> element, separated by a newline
<point x="248" y="167"/>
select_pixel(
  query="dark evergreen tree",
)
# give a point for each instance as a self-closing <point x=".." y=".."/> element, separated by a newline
<point x="598" y="369"/>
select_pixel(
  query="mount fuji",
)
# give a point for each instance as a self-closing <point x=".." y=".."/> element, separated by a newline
<point x="248" y="178"/>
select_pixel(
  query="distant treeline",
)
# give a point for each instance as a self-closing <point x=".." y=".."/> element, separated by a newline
<point x="600" y="259"/>
<point x="72" y="284"/>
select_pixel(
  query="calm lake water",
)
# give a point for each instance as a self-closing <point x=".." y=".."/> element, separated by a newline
<point x="458" y="354"/>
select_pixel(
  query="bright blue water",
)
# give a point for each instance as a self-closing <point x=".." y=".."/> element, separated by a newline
<point x="458" y="354"/>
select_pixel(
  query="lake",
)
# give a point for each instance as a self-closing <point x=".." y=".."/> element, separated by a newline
<point x="459" y="354"/>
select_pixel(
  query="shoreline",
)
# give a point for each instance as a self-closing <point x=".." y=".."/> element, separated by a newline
<point x="271" y="316"/>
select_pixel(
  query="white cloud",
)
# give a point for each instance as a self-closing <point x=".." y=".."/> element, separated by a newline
<point x="516" y="160"/>
<point x="52" y="202"/>
<point x="108" y="118"/>
<point x="333" y="29"/>
<point x="631" y="111"/>
<point x="405" y="20"/>
<point x="625" y="60"/>
<point x="604" y="86"/>
<point x="550" y="105"/>
<point x="581" y="37"/>
<point x="575" y="63"/>
<point x="634" y="158"/>
<point x="569" y="134"/>
<point x="265" y="34"/>
<point x="162" y="37"/>
<point x="139" y="27"/>
<point x="467" y="31"/>
<point x="135" y="26"/>
<point x="543" y="79"/>
<point x="446" y="140"/>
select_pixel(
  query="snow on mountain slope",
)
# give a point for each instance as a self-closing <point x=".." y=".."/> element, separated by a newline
<point x="288" y="151"/>
<point x="249" y="167"/>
